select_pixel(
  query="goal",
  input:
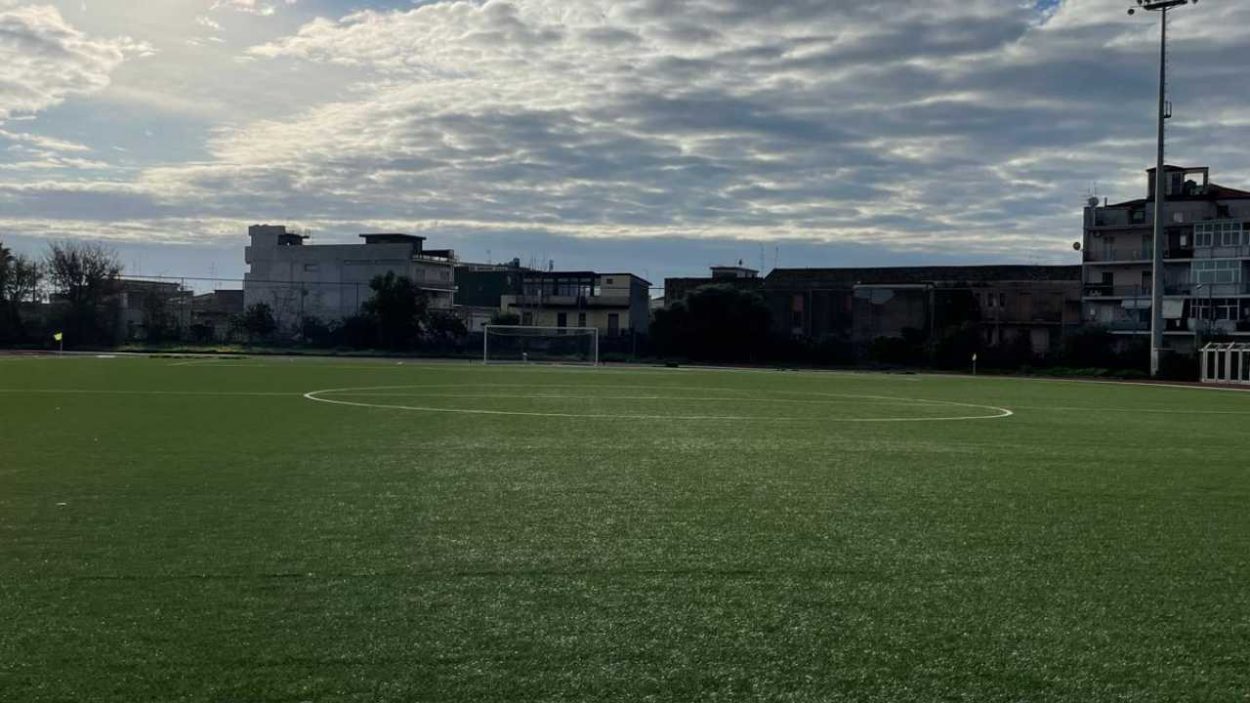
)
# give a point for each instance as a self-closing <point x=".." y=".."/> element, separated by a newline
<point x="517" y="343"/>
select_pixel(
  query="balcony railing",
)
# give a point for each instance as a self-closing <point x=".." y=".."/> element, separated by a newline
<point x="556" y="301"/>
<point x="1118" y="254"/>
<point x="1239" y="252"/>
<point x="1096" y="290"/>
<point x="1207" y="290"/>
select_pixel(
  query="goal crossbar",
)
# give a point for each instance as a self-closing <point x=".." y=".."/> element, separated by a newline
<point x="536" y="332"/>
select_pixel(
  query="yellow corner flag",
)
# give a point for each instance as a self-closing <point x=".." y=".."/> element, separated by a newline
<point x="59" y="337"/>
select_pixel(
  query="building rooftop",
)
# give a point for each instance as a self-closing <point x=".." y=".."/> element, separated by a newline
<point x="580" y="274"/>
<point x="391" y="238"/>
<point x="845" y="277"/>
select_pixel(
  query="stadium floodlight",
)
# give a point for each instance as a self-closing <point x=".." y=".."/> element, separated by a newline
<point x="1156" y="277"/>
<point x="526" y="343"/>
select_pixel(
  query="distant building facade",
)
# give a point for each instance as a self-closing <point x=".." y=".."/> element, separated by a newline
<point x="331" y="282"/>
<point x="480" y="289"/>
<point x="858" y="305"/>
<point x="213" y="314"/>
<point x="738" y="276"/>
<point x="146" y="309"/>
<point x="1206" y="277"/>
<point x="615" y="303"/>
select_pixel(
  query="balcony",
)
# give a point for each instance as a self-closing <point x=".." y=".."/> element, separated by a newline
<point x="1101" y="290"/>
<point x="1118" y="254"/>
<point x="570" y="301"/>
<point x="1238" y="252"/>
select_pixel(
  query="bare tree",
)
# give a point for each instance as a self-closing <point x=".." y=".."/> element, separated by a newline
<point x="19" y="283"/>
<point x="85" y="277"/>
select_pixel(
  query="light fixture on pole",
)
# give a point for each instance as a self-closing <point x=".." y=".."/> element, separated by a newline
<point x="1160" y="240"/>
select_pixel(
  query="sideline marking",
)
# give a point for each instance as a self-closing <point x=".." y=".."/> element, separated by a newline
<point x="316" y="396"/>
<point x="1158" y="411"/>
<point x="86" y="391"/>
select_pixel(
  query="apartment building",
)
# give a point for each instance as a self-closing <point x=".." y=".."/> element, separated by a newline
<point x="1206" y="277"/>
<point x="615" y="303"/>
<point x="331" y="281"/>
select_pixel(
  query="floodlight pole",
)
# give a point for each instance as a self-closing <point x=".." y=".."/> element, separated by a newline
<point x="1157" y="323"/>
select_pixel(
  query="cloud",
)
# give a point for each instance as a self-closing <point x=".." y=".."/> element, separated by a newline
<point x="977" y="126"/>
<point x="44" y="60"/>
<point x="902" y="120"/>
<point x="251" y="7"/>
<point x="208" y="23"/>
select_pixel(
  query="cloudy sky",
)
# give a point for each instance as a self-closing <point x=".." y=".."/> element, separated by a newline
<point x="654" y="135"/>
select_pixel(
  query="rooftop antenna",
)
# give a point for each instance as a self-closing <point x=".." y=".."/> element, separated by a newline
<point x="1165" y="112"/>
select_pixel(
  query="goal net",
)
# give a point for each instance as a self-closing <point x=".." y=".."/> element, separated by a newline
<point x="512" y="343"/>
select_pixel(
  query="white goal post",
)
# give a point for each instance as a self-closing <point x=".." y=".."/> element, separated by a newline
<point x="527" y="343"/>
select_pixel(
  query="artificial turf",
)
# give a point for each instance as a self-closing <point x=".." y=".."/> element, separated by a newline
<point x="204" y="532"/>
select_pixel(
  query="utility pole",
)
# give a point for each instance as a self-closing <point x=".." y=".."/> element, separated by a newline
<point x="1160" y="237"/>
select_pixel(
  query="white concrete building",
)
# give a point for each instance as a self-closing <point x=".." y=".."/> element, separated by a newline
<point x="331" y="281"/>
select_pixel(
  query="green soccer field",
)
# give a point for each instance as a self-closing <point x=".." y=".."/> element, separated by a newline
<point x="272" y="530"/>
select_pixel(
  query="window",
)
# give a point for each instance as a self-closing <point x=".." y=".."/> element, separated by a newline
<point x="614" y="324"/>
<point x="527" y="318"/>
<point x="1202" y="235"/>
<point x="310" y="268"/>
<point x="1216" y="309"/>
<point x="581" y="319"/>
<point x="1218" y="234"/>
<point x="562" y="319"/>
<point x="1217" y="271"/>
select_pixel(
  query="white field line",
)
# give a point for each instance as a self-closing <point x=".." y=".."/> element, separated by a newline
<point x="670" y="398"/>
<point x="742" y="394"/>
<point x="316" y="396"/>
<point x="626" y="369"/>
<point x="1090" y="382"/>
<point x="1159" y="411"/>
<point x="599" y="386"/>
<point x="85" y="391"/>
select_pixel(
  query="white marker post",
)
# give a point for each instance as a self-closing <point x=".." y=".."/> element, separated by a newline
<point x="974" y="363"/>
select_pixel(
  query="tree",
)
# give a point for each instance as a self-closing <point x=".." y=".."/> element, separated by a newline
<point x="399" y="307"/>
<point x="445" y="325"/>
<point x="716" y="323"/>
<point x="257" y="320"/>
<point x="85" y="277"/>
<point x="19" y="283"/>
